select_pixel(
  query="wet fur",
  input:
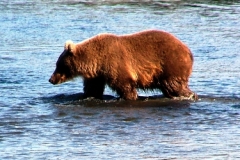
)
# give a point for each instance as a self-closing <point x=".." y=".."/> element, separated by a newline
<point x="150" y="59"/>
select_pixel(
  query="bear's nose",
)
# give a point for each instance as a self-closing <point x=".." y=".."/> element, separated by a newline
<point x="51" y="80"/>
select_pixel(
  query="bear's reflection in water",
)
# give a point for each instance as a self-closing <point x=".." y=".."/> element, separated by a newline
<point x="74" y="108"/>
<point x="111" y="101"/>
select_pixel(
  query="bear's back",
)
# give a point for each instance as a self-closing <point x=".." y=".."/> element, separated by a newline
<point x="152" y="38"/>
<point x="155" y="43"/>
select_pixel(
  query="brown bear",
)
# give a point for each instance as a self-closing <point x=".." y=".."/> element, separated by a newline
<point x="151" y="59"/>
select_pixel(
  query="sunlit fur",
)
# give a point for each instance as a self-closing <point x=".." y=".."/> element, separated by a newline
<point x="149" y="59"/>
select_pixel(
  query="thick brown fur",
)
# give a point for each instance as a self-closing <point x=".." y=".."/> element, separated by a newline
<point x="150" y="59"/>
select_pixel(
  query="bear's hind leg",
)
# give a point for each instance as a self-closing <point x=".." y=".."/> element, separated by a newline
<point x="124" y="84"/>
<point x="177" y="88"/>
<point x="94" y="87"/>
<point x="127" y="92"/>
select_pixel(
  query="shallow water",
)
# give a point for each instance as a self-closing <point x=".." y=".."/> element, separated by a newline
<point x="42" y="121"/>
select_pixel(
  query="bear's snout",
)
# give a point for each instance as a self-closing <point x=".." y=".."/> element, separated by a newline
<point x="51" y="80"/>
<point x="57" y="78"/>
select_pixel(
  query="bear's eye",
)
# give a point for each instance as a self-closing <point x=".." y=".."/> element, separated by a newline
<point x="62" y="67"/>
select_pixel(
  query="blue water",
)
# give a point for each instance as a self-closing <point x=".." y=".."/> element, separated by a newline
<point x="42" y="121"/>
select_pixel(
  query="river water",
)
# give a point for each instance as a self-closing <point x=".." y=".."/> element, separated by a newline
<point x="42" y="121"/>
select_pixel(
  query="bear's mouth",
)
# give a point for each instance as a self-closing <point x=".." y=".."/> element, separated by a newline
<point x="57" y="79"/>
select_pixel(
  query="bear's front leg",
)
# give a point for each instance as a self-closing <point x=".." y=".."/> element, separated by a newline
<point x="94" y="87"/>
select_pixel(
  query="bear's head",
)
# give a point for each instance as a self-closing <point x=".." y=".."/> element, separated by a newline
<point x="65" y="66"/>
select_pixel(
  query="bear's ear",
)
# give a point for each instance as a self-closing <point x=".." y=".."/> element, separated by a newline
<point x="70" y="46"/>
